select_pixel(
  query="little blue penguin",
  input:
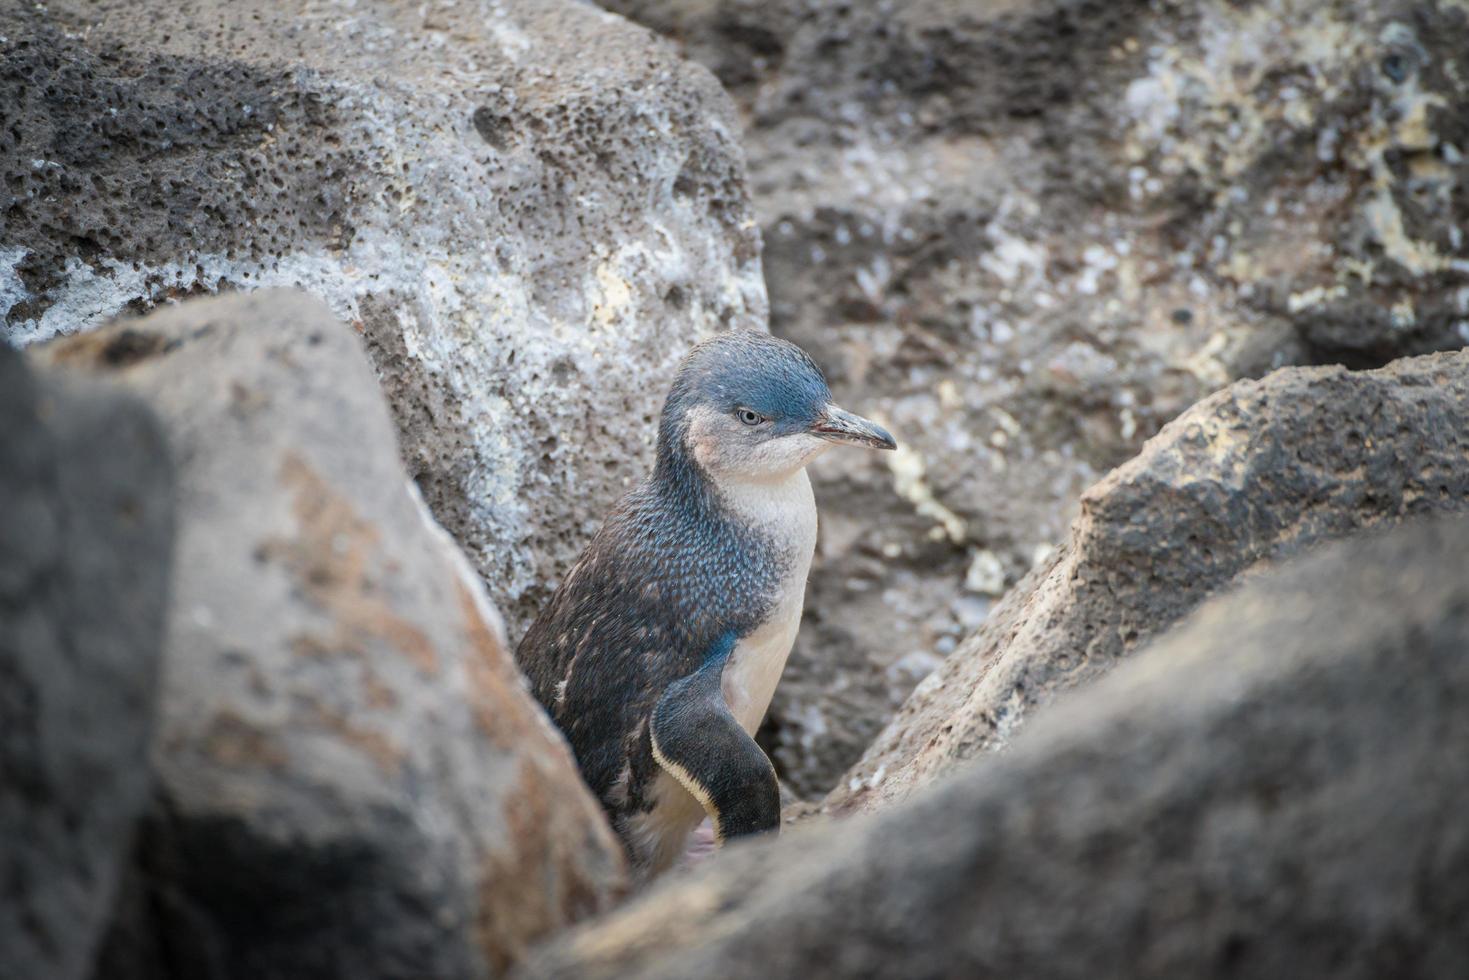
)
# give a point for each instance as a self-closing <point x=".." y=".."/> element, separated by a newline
<point x="660" y="651"/>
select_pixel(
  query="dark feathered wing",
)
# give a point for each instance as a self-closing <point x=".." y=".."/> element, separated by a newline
<point x="606" y="647"/>
<point x="664" y="578"/>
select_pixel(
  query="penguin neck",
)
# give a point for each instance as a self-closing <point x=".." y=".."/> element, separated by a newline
<point x="684" y="484"/>
<point x="783" y="507"/>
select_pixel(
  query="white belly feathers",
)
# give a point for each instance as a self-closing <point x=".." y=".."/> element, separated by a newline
<point x="755" y="667"/>
<point x="787" y="511"/>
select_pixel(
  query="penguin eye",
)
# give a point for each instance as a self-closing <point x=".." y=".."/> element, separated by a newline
<point x="749" y="417"/>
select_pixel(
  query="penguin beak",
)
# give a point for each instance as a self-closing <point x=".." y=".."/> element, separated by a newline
<point x="839" y="425"/>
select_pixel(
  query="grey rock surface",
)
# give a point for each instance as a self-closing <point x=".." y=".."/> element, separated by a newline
<point x="86" y="532"/>
<point x="1027" y="233"/>
<point x="1275" y="789"/>
<point x="530" y="208"/>
<point x="353" y="781"/>
<point x="1259" y="470"/>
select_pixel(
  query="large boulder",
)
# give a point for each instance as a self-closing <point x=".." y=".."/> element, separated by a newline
<point x="1027" y="233"/>
<point x="353" y="781"/>
<point x="1260" y="470"/>
<point x="1276" y="789"/>
<point x="86" y="532"/>
<point x="530" y="208"/>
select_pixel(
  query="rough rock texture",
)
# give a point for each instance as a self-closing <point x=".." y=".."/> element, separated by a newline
<point x="1029" y="232"/>
<point x="1259" y="470"/>
<point x="353" y="780"/>
<point x="1277" y="789"/>
<point x="530" y="208"/>
<point x="86" y="531"/>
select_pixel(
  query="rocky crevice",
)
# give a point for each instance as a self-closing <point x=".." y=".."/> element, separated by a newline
<point x="1089" y="638"/>
<point x="1028" y="234"/>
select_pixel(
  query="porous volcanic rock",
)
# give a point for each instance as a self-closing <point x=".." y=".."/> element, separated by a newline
<point x="86" y="533"/>
<point x="353" y="781"/>
<point x="1027" y="233"/>
<point x="530" y="208"/>
<point x="1257" y="471"/>
<point x="1275" y="789"/>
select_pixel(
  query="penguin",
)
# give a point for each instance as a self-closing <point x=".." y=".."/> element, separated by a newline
<point x="658" y="654"/>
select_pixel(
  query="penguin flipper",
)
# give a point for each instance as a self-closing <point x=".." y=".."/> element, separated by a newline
<point x="698" y="742"/>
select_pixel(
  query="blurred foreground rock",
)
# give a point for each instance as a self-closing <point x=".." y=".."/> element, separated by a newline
<point x="531" y="208"/>
<point x="353" y="781"/>
<point x="86" y="531"/>
<point x="1027" y="233"/>
<point x="1275" y="789"/>
<point x="1260" y="470"/>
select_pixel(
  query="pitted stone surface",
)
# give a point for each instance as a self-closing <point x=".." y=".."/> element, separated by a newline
<point x="530" y="208"/>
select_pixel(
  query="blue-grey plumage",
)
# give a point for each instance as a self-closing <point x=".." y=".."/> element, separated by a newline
<point x="696" y="577"/>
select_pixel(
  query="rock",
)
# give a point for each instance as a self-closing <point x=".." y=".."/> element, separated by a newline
<point x="530" y="208"/>
<point x="1028" y="233"/>
<point x="353" y="780"/>
<point x="1276" y="789"/>
<point x="86" y="529"/>
<point x="1257" y="471"/>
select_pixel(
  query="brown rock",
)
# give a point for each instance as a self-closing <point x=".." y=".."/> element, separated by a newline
<point x="1260" y="470"/>
<point x="352" y="779"/>
<point x="1276" y="789"/>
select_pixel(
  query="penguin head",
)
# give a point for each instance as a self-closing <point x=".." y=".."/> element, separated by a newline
<point x="749" y="406"/>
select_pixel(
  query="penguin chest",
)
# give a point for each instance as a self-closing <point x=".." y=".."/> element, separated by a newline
<point x="788" y="517"/>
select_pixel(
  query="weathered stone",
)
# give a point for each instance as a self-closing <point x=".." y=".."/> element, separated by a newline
<point x="530" y="208"/>
<point x="86" y="530"/>
<point x="1030" y="232"/>
<point x="353" y="780"/>
<point x="1259" y="470"/>
<point x="1276" y="789"/>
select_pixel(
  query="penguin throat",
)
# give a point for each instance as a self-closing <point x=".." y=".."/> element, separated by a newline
<point x="779" y="506"/>
<point x="784" y="509"/>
